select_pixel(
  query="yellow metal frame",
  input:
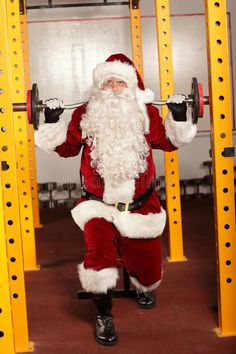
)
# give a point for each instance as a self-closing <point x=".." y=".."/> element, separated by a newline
<point x="171" y="159"/>
<point x="11" y="214"/>
<point x="31" y="145"/>
<point x="21" y="135"/>
<point x="6" y="325"/>
<point x="221" y="138"/>
<point x="136" y="37"/>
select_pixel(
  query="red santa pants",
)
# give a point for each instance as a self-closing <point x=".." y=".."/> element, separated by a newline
<point x="141" y="257"/>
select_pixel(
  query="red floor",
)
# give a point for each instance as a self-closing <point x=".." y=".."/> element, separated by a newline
<point x="182" y="323"/>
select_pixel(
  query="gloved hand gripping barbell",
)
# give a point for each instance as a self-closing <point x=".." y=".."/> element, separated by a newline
<point x="34" y="106"/>
<point x="196" y="100"/>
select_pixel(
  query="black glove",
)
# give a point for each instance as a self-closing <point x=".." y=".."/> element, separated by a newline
<point x="178" y="111"/>
<point x="52" y="115"/>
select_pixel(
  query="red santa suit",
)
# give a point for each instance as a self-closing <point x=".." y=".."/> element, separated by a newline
<point x="115" y="233"/>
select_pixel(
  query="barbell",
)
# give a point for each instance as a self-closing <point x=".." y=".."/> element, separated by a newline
<point x="33" y="105"/>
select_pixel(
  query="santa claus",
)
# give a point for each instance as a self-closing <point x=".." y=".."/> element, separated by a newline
<point x="119" y="210"/>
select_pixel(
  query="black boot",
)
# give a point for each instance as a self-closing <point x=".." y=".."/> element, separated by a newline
<point x="146" y="300"/>
<point x="104" y="328"/>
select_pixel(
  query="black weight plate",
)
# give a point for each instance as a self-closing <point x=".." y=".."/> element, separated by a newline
<point x="195" y="97"/>
<point x="34" y="104"/>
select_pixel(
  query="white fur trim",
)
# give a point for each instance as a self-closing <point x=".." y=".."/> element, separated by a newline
<point x="51" y="135"/>
<point x="147" y="95"/>
<point x="124" y="192"/>
<point x="98" y="281"/>
<point x="131" y="225"/>
<point x="91" y="209"/>
<point x="180" y="133"/>
<point x="114" y="69"/>
<point x="144" y="288"/>
<point x="140" y="226"/>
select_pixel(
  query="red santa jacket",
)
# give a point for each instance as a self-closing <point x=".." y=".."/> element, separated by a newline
<point x="93" y="183"/>
<point x="150" y="218"/>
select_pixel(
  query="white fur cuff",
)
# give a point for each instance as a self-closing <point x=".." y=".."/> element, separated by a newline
<point x="116" y="69"/>
<point x="134" y="225"/>
<point x="131" y="225"/>
<point x="98" y="282"/>
<point x="144" y="288"/>
<point x="49" y="136"/>
<point x="90" y="209"/>
<point x="180" y="133"/>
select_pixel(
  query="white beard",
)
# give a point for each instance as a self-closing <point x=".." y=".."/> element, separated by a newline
<point x="115" y="124"/>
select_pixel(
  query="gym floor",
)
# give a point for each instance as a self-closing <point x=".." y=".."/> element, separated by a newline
<point x="182" y="323"/>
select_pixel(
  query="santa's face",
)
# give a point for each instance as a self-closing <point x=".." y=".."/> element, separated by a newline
<point x="114" y="84"/>
<point x="114" y="124"/>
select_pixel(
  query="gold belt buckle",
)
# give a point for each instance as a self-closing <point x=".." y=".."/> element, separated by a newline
<point x="126" y="206"/>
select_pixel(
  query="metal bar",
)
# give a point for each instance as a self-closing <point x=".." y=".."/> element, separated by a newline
<point x="30" y="128"/>
<point x="187" y="100"/>
<point x="10" y="190"/>
<point x="171" y="159"/>
<point x="94" y="4"/>
<point x="19" y="107"/>
<point x="223" y="164"/>
<point x="22" y="107"/>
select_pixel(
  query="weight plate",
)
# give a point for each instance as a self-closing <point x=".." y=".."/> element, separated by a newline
<point x="28" y="106"/>
<point x="201" y="102"/>
<point x="195" y="97"/>
<point x="34" y="106"/>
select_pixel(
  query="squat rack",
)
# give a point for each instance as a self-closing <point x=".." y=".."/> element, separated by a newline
<point x="16" y="232"/>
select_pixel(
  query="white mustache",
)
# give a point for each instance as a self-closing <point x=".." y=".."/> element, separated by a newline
<point x="106" y="94"/>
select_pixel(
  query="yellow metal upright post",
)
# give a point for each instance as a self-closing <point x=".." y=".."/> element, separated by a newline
<point x="136" y="35"/>
<point x="31" y="145"/>
<point x="21" y="135"/>
<point x="171" y="159"/>
<point x="6" y="325"/>
<point x="10" y="192"/>
<point x="222" y="156"/>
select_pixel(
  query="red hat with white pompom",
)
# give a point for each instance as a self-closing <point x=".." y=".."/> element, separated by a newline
<point x="119" y="66"/>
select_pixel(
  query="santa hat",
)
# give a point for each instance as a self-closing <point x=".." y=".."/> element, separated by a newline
<point x="121" y="67"/>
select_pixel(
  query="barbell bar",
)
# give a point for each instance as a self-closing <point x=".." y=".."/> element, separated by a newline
<point x="33" y="105"/>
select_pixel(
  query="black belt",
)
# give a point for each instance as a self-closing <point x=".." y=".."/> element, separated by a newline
<point x="137" y="203"/>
